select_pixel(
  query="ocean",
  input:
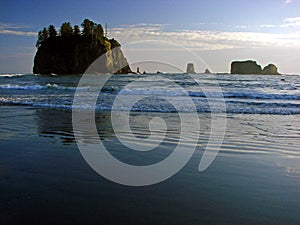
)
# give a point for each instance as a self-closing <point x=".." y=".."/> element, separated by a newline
<point x="253" y="178"/>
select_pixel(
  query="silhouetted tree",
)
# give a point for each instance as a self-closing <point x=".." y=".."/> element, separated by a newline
<point x="45" y="33"/>
<point x="98" y="32"/>
<point x="92" y="32"/>
<point x="66" y="29"/>
<point x="42" y="36"/>
<point x="76" y="30"/>
<point x="52" y="31"/>
<point x="88" y="27"/>
<point x="39" y="40"/>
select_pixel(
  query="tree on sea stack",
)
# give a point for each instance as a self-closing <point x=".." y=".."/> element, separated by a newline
<point x="42" y="36"/>
<point x="66" y="29"/>
<point x="52" y="31"/>
<point x="98" y="32"/>
<point x="45" y="33"/>
<point x="88" y="27"/>
<point x="76" y="30"/>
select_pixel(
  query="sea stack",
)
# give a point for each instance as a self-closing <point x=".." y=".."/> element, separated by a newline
<point x="270" y="69"/>
<point x="190" y="68"/>
<point x="207" y="71"/>
<point x="245" y="67"/>
<point x="251" y="67"/>
<point x="72" y="51"/>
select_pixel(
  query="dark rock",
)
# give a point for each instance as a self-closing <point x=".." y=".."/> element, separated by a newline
<point x="190" y="68"/>
<point x="207" y="71"/>
<point x="270" y="69"/>
<point x="245" y="67"/>
<point x="74" y="54"/>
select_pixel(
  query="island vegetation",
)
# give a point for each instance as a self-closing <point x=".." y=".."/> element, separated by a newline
<point x="71" y="50"/>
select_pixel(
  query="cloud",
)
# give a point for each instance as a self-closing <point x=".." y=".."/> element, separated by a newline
<point x="19" y="33"/>
<point x="267" y="25"/>
<point x="11" y="30"/>
<point x="241" y="27"/>
<point x="288" y="1"/>
<point x="291" y="22"/>
<point x="206" y="39"/>
<point x="287" y="22"/>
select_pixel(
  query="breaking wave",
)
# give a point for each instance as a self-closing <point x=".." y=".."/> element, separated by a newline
<point x="39" y="87"/>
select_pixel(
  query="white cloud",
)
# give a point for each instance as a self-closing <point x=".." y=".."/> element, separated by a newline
<point x="291" y="22"/>
<point x="19" y="33"/>
<point x="241" y="27"/>
<point x="267" y="26"/>
<point x="11" y="29"/>
<point x="288" y="1"/>
<point x="206" y="39"/>
<point x="147" y="25"/>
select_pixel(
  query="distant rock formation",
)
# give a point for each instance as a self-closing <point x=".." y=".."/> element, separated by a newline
<point x="245" y="67"/>
<point x="73" y="52"/>
<point x="251" y="67"/>
<point x="190" y="68"/>
<point x="270" y="69"/>
<point x="207" y="71"/>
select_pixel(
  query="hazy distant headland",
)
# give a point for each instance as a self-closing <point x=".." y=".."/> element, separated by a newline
<point x="72" y="50"/>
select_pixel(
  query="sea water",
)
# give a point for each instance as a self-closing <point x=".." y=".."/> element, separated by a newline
<point x="247" y="94"/>
<point x="255" y="178"/>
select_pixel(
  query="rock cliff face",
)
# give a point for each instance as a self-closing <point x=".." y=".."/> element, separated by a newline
<point x="245" y="67"/>
<point x="251" y="67"/>
<point x="74" y="54"/>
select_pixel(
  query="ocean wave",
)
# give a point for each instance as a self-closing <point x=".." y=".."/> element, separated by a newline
<point x="242" y="99"/>
<point x="159" y="92"/>
<point x="8" y="75"/>
<point x="247" y="95"/>
<point x="276" y="109"/>
<point x="265" y="104"/>
<point x="19" y="87"/>
<point x="151" y="92"/>
<point x="201" y="94"/>
<point x="39" y="87"/>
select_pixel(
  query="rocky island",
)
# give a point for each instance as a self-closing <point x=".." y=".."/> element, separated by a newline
<point x="72" y="50"/>
<point x="190" y="68"/>
<point x="251" y="67"/>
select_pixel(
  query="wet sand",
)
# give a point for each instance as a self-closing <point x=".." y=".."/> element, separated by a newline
<point x="255" y="179"/>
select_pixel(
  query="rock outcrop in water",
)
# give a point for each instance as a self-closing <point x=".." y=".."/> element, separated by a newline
<point x="73" y="51"/>
<point x="270" y="69"/>
<point x="207" y="71"/>
<point x="190" y="68"/>
<point x="251" y="67"/>
<point x="245" y="67"/>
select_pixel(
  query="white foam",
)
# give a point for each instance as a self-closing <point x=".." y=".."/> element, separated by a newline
<point x="38" y="87"/>
<point x="13" y="74"/>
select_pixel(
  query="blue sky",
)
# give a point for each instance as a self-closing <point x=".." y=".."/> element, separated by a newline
<point x="218" y="31"/>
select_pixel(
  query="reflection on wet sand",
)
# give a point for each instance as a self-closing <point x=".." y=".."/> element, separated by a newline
<point x="53" y="123"/>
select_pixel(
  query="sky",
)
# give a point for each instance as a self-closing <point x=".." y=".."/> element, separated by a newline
<point x="219" y="32"/>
